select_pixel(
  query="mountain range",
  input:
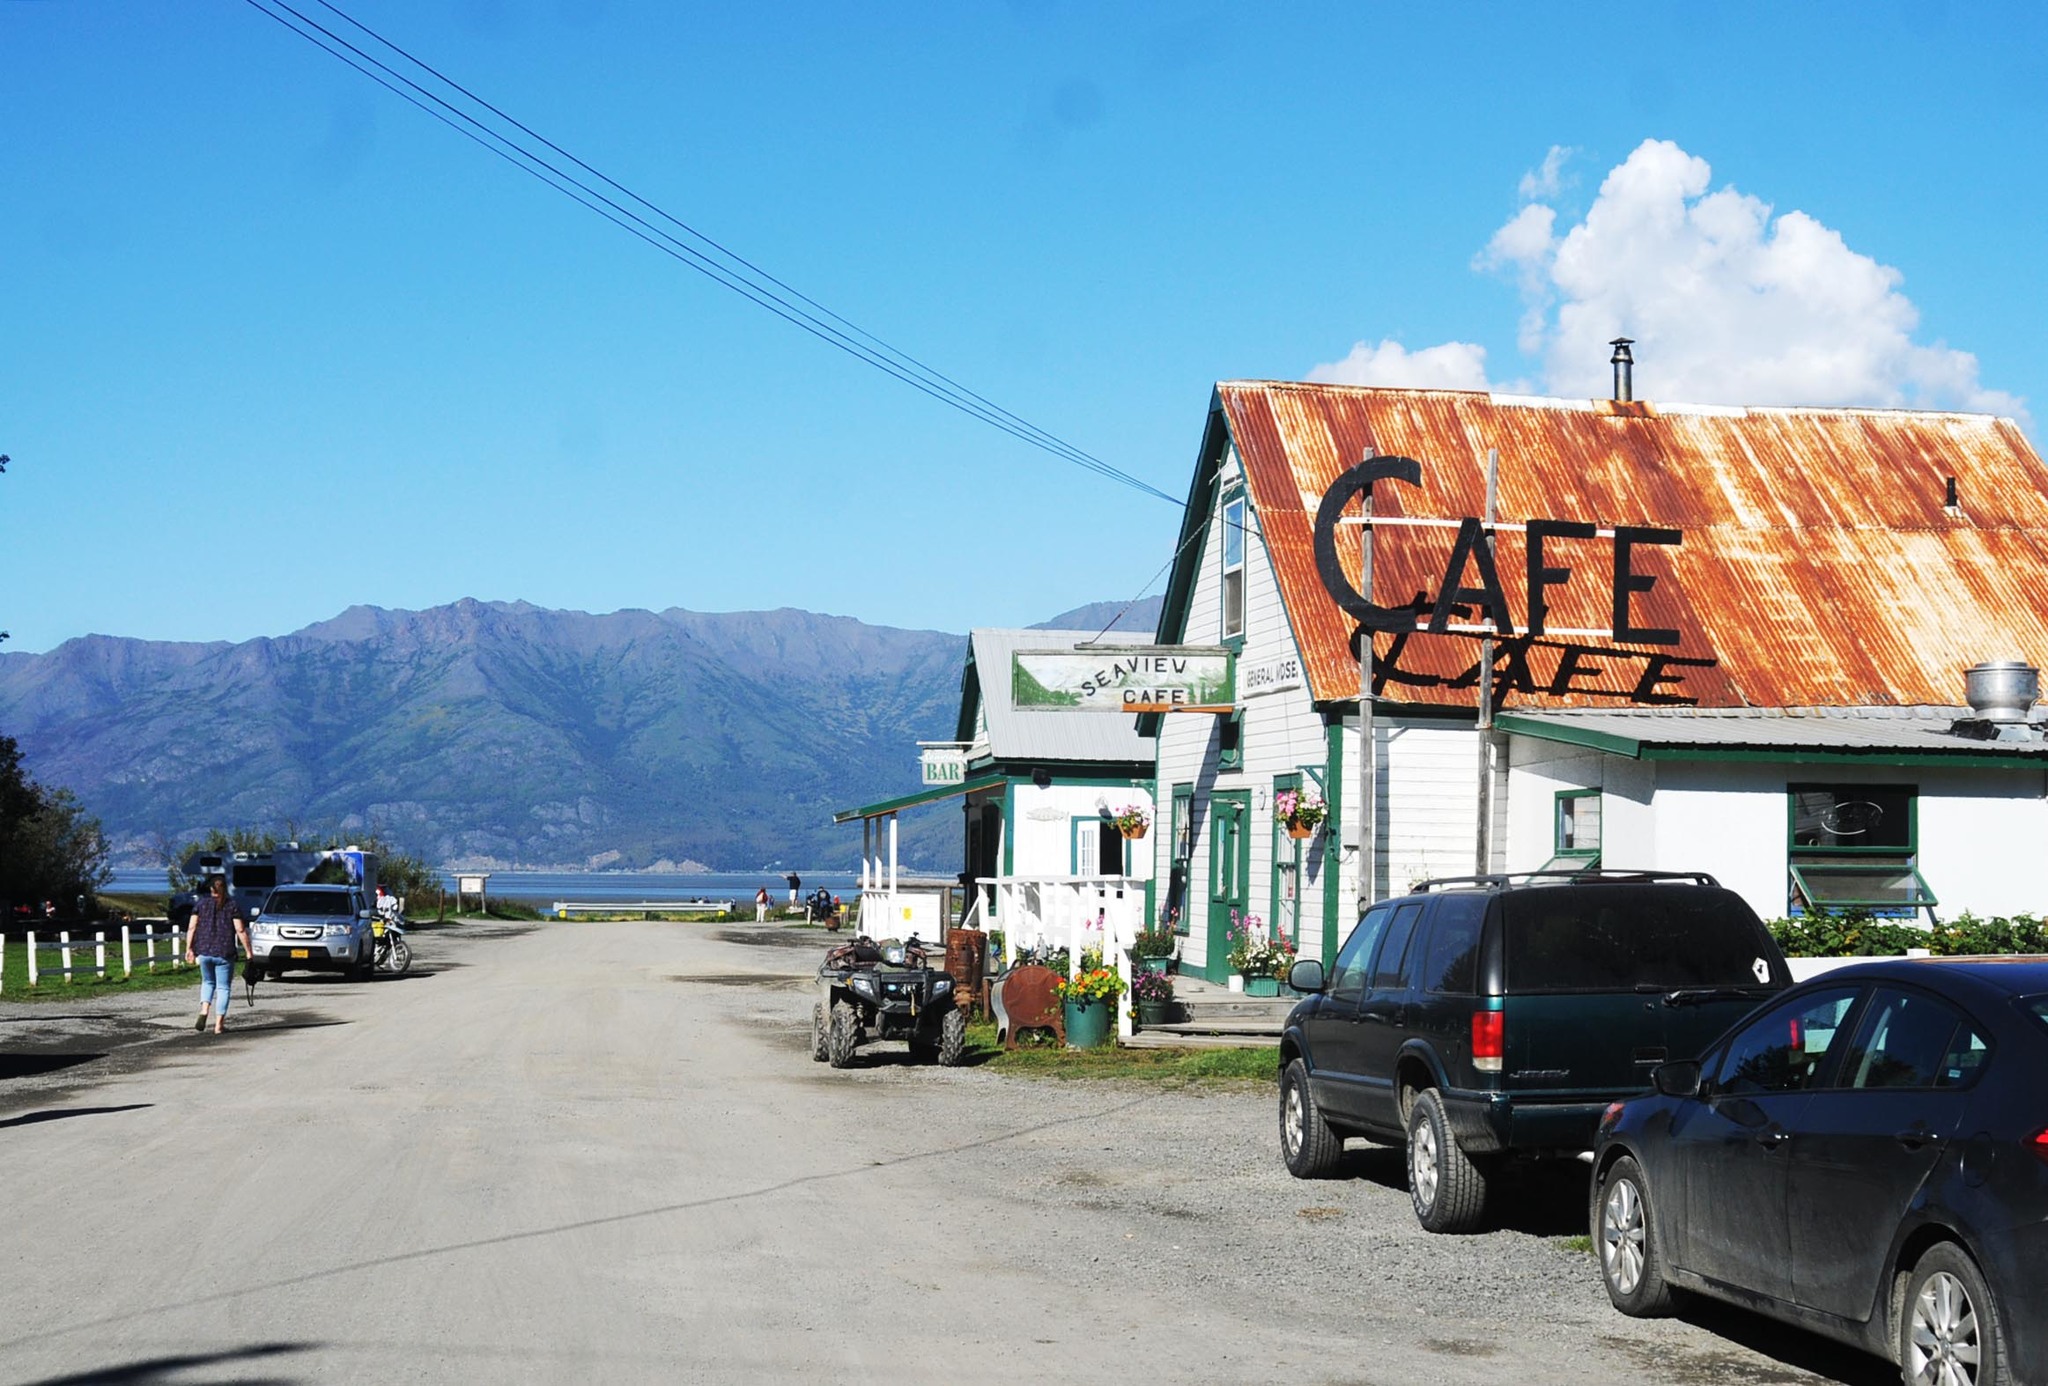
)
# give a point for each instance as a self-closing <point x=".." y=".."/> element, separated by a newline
<point x="491" y="734"/>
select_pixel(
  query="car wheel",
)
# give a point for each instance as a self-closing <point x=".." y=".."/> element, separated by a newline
<point x="953" y="1039"/>
<point x="1447" y="1189"/>
<point x="818" y="1032"/>
<point x="1309" y="1146"/>
<point x="1949" y="1334"/>
<point x="1631" y="1262"/>
<point x="842" y="1036"/>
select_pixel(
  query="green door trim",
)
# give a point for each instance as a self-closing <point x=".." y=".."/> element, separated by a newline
<point x="1284" y="848"/>
<point x="1230" y="812"/>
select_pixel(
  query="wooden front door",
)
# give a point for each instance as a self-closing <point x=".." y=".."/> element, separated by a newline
<point x="1230" y="871"/>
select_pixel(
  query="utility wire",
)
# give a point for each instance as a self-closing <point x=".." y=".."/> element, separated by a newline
<point x="737" y="273"/>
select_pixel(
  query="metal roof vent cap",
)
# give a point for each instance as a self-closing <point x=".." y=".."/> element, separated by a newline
<point x="2002" y="690"/>
<point x="1624" y="363"/>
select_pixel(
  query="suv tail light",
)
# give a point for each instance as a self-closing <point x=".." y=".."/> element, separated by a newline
<point x="1489" y="1029"/>
<point x="2038" y="1143"/>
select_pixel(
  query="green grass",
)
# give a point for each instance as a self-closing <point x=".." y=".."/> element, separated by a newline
<point x="83" y="986"/>
<point x="1581" y="1243"/>
<point x="1047" y="1059"/>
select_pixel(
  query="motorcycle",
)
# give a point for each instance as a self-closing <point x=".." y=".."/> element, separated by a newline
<point x="394" y="954"/>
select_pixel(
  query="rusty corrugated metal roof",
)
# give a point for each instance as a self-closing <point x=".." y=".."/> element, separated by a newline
<point x="1818" y="568"/>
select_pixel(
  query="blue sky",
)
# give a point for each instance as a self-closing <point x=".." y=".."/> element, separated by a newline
<point x="276" y="343"/>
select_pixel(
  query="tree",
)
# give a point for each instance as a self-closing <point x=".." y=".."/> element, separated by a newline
<point x="50" y="847"/>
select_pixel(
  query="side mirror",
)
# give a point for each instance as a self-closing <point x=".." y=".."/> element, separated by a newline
<point x="366" y="914"/>
<point x="1306" y="975"/>
<point x="255" y="914"/>
<point x="1680" y="1079"/>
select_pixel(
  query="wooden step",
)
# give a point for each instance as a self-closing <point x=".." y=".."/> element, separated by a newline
<point x="1158" y="1037"/>
<point x="1266" y="1031"/>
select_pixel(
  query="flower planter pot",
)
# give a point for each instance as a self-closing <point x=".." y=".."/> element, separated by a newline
<point x="1132" y="833"/>
<point x="1158" y="966"/>
<point x="1088" y="1024"/>
<point x="1301" y="830"/>
<point x="1154" y="1012"/>
<point x="1262" y="986"/>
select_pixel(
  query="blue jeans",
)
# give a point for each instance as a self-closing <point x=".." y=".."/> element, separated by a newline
<point x="216" y="983"/>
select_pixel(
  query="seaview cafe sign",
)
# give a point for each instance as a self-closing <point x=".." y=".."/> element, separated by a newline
<point x="1537" y="658"/>
<point x="1138" y="678"/>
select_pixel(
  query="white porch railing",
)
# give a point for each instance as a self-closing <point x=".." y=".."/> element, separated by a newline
<point x="1071" y="912"/>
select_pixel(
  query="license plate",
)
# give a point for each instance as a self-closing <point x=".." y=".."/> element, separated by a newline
<point x="300" y="953"/>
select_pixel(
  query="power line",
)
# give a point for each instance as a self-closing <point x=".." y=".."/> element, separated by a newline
<point x="719" y="264"/>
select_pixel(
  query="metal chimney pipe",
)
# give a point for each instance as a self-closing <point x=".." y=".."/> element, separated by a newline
<point x="2001" y="690"/>
<point x="1624" y="369"/>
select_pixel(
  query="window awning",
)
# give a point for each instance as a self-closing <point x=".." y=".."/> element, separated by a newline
<point x="1877" y="885"/>
<point x="930" y="795"/>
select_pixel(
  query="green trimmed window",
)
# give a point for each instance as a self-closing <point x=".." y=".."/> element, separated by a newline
<point x="1183" y="844"/>
<point x="1575" y="831"/>
<point x="1230" y="740"/>
<point x="1233" y="566"/>
<point x="1855" y="846"/>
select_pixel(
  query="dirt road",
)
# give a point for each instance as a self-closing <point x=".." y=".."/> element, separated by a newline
<point x="601" y="1152"/>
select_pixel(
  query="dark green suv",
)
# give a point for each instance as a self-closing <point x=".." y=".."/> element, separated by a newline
<point x="1485" y="1018"/>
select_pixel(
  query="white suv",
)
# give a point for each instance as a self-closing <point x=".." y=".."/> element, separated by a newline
<point x="315" y="928"/>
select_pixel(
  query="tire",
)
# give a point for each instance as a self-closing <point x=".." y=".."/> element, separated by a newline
<point x="1447" y="1189"/>
<point x="400" y="961"/>
<point x="818" y="1033"/>
<point x="366" y="970"/>
<point x="1948" y="1331"/>
<point x="1625" y="1239"/>
<point x="1311" y="1149"/>
<point x="953" y="1039"/>
<point x="842" y="1036"/>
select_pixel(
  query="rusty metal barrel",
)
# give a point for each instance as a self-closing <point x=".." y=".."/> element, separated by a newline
<point x="966" y="961"/>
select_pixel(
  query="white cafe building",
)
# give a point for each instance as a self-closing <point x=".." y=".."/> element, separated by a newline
<point x="1746" y="656"/>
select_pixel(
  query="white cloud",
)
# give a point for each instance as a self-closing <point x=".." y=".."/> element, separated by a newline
<point x="1451" y="366"/>
<point x="1548" y="179"/>
<point x="1728" y="303"/>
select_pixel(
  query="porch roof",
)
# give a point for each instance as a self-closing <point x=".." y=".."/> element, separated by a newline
<point x="931" y="795"/>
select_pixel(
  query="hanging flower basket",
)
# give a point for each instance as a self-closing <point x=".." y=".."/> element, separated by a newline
<point x="1301" y="814"/>
<point x="1132" y="820"/>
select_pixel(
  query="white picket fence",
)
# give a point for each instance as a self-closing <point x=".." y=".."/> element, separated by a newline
<point x="64" y="946"/>
<point x="1074" y="912"/>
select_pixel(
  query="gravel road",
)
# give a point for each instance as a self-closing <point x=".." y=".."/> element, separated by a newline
<point x="601" y="1151"/>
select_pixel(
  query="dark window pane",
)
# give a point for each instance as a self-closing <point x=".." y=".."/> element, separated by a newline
<point x="1853" y="815"/>
<point x="1387" y="973"/>
<point x="1903" y="1042"/>
<point x="1454" y="944"/>
<point x="1621" y="937"/>
<point x="289" y="901"/>
<point x="1786" y="1048"/>
<point x="255" y="877"/>
<point x="1347" y="973"/>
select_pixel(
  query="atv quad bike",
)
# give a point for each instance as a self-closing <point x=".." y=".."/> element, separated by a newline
<point x="869" y="990"/>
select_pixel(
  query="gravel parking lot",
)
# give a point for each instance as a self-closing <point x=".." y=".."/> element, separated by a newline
<point x="585" y="1150"/>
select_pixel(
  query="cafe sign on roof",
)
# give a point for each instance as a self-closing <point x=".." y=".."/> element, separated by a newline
<point x="1134" y="678"/>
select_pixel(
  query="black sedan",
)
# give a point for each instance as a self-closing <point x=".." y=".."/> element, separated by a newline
<point x="1867" y="1156"/>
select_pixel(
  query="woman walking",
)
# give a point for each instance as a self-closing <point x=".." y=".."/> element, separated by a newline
<point x="210" y="937"/>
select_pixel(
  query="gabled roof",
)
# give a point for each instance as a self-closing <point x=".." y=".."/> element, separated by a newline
<point x="1041" y="737"/>
<point x="1819" y="567"/>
